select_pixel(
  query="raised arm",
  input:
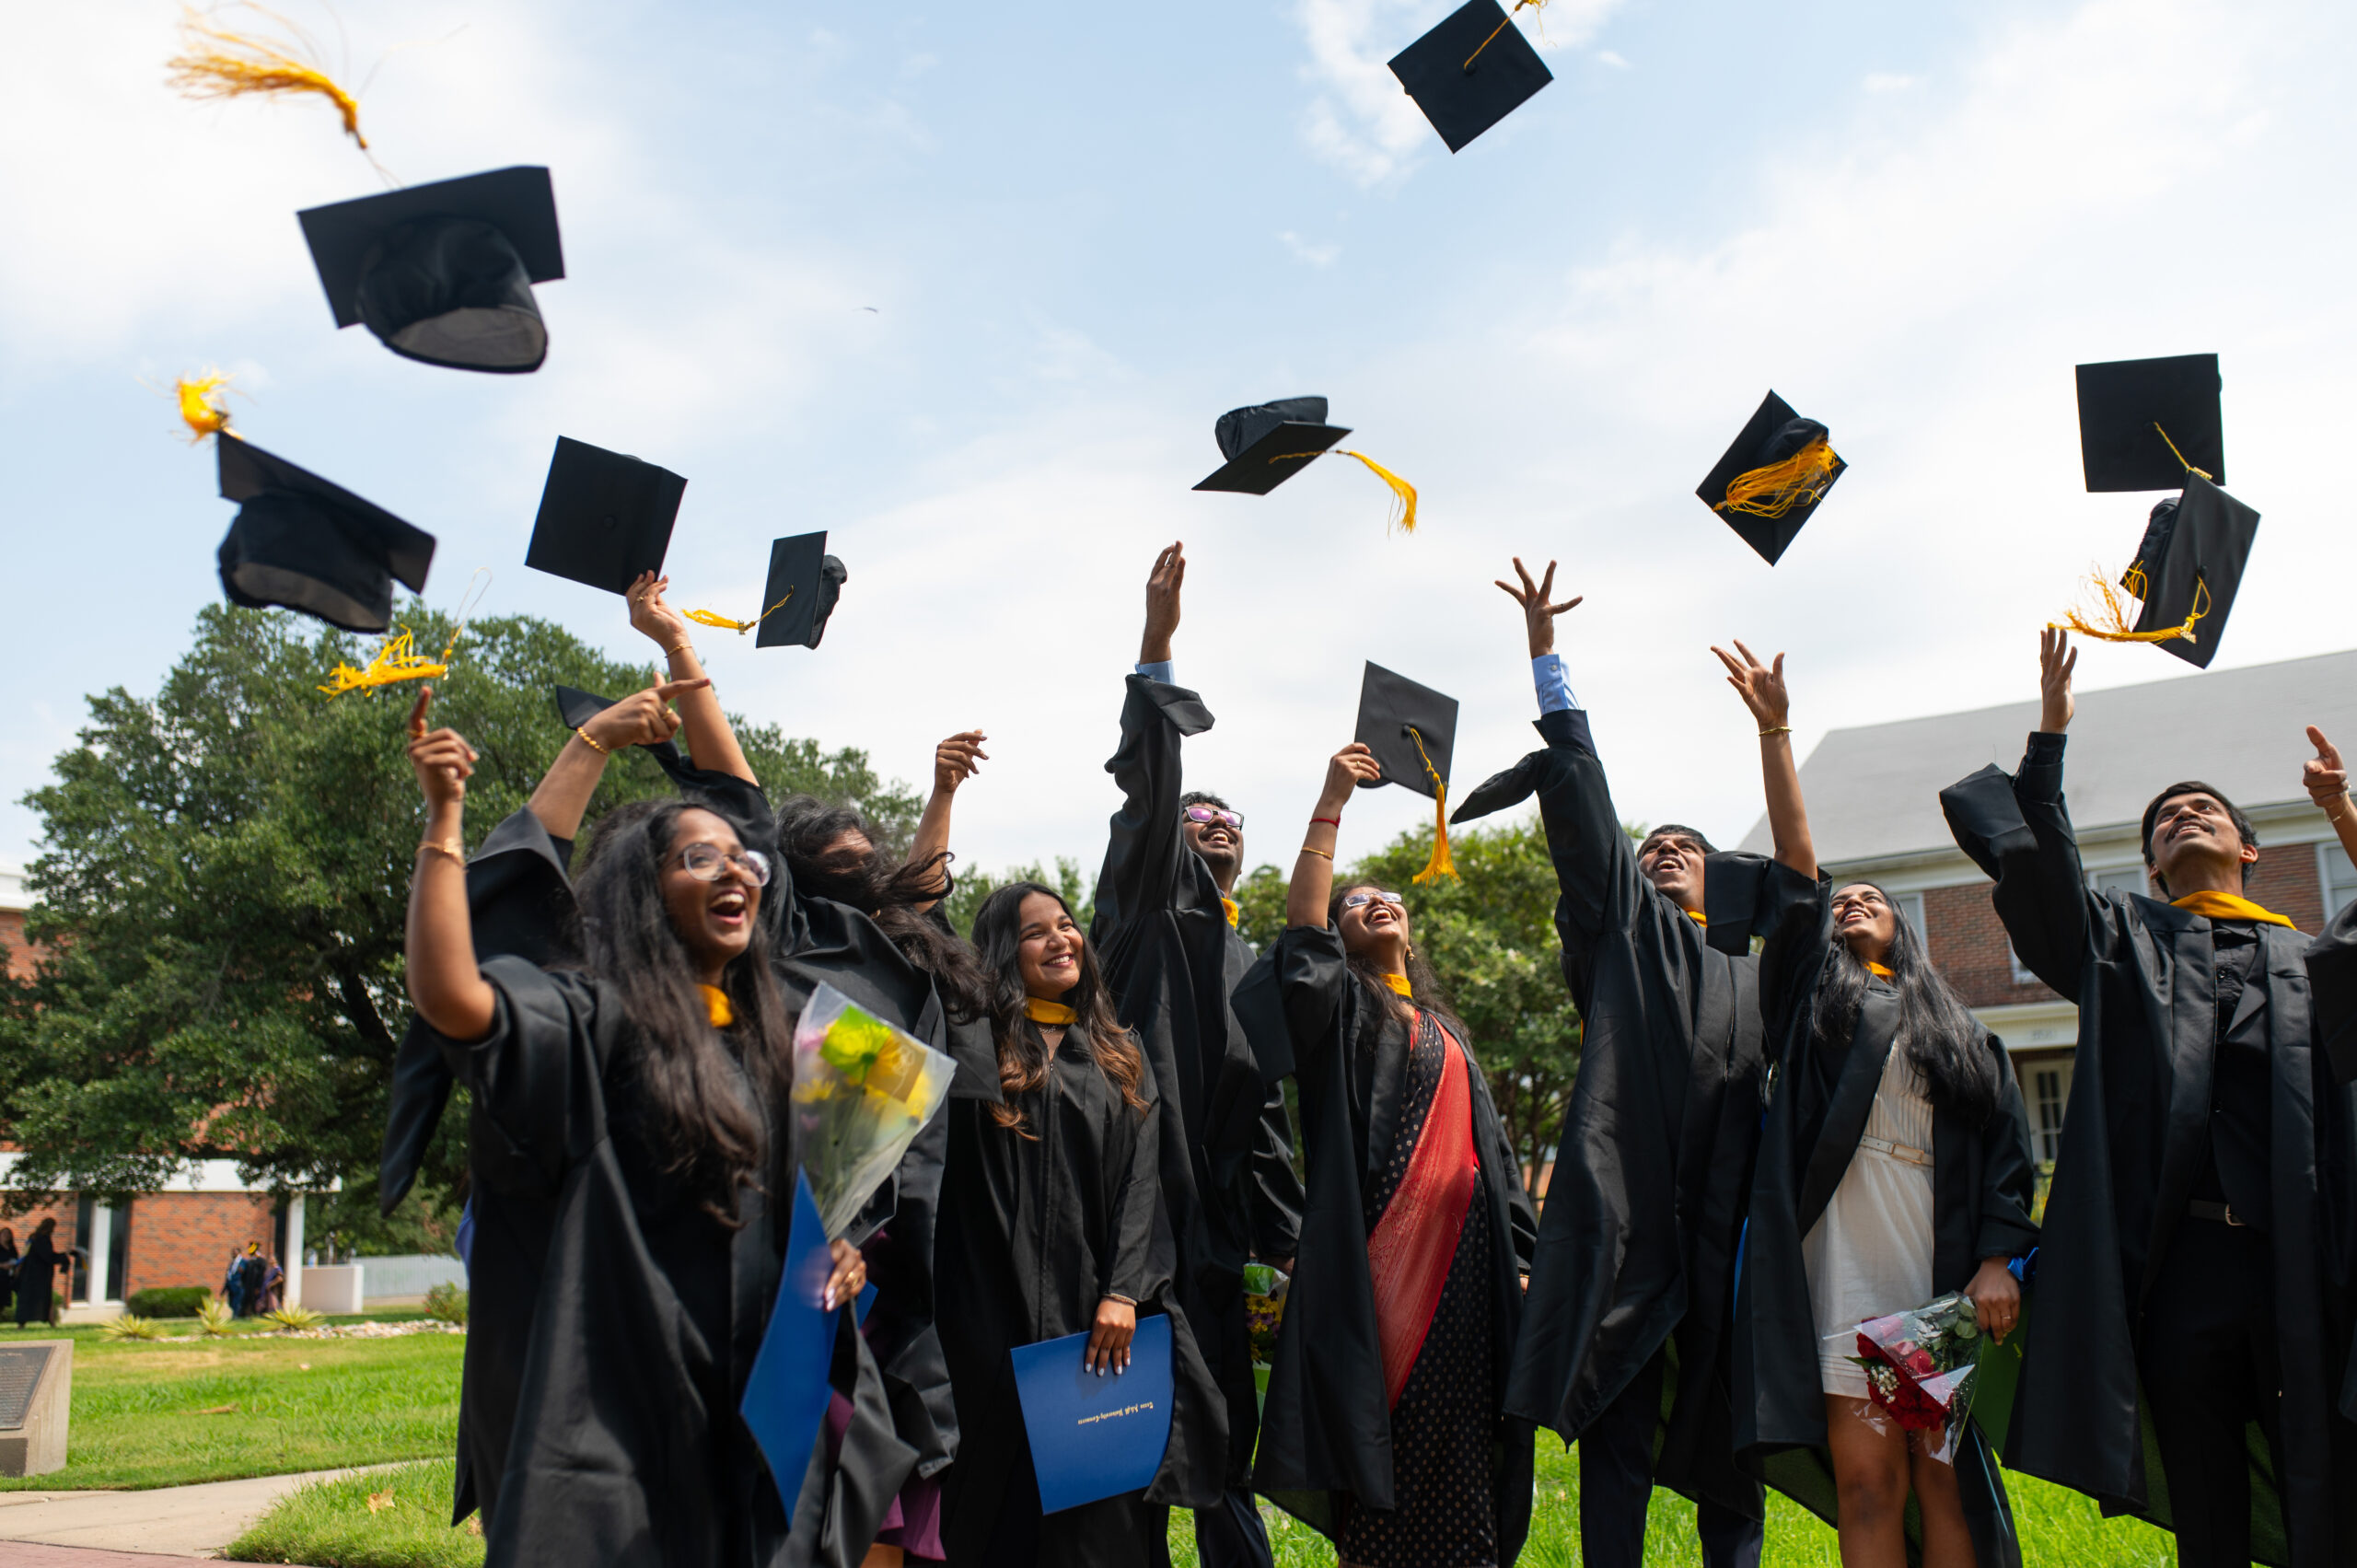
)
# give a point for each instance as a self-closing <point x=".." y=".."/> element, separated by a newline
<point x="1761" y="687"/>
<point x="2326" y="778"/>
<point x="955" y="761"/>
<point x="711" y="742"/>
<point x="1313" y="869"/>
<point x="444" y="983"/>
<point x="643" y="718"/>
<point x="1145" y="847"/>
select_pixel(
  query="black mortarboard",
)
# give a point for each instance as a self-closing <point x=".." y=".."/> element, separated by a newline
<point x="604" y="518"/>
<point x="2132" y="410"/>
<point x="1470" y="72"/>
<point x="2192" y="560"/>
<point x="1772" y="478"/>
<point x="1391" y="707"/>
<point x="803" y="583"/>
<point x="1251" y="439"/>
<point x="309" y="545"/>
<point x="444" y="272"/>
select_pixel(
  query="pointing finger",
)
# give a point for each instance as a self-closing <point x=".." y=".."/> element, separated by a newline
<point x="671" y="689"/>
<point x="426" y="701"/>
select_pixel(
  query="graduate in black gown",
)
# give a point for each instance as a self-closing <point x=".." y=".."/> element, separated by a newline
<point x="8" y="1260"/>
<point x="1624" y="1336"/>
<point x="1052" y="1224"/>
<point x="2189" y="1349"/>
<point x="1384" y="1427"/>
<point x="1165" y="929"/>
<point x="37" y="1275"/>
<point x="651" y="1090"/>
<point x="1895" y="1167"/>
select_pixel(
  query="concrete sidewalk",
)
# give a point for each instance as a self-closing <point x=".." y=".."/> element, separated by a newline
<point x="154" y="1526"/>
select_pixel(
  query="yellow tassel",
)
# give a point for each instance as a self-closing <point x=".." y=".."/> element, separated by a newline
<point x="1773" y="490"/>
<point x="217" y="62"/>
<point x="397" y="660"/>
<point x="2110" y="623"/>
<point x="2180" y="456"/>
<point x="1404" y="518"/>
<point x="713" y="618"/>
<point x="1440" y="865"/>
<point x="1538" y="8"/>
<point x="205" y="404"/>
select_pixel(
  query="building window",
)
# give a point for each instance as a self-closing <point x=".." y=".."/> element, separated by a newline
<point x="2338" y="877"/>
<point x="2049" y="1091"/>
<point x="2021" y="970"/>
<point x="2121" y="880"/>
<point x="1910" y="905"/>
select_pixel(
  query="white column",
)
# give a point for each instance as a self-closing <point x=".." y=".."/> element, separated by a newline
<point x="98" y="1244"/>
<point x="293" y="1260"/>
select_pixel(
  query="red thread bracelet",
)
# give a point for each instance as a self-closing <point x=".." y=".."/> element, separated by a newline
<point x="1334" y="822"/>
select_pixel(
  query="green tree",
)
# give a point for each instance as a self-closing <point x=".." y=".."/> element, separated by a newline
<point x="1078" y="893"/>
<point x="224" y="871"/>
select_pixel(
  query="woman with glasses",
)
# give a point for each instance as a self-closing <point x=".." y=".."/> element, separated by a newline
<point x="640" y="1102"/>
<point x="1383" y="1427"/>
<point x="1894" y="1166"/>
<point x="1053" y="1224"/>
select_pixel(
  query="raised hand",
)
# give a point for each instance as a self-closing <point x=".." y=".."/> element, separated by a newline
<point x="444" y="762"/>
<point x="417" y="712"/>
<point x="2056" y="660"/>
<point x="955" y="760"/>
<point x="1162" y="587"/>
<point x="643" y="718"/>
<point x="1539" y="616"/>
<point x="652" y="614"/>
<point x="2326" y="776"/>
<point x="1761" y="687"/>
<point x="1344" y="772"/>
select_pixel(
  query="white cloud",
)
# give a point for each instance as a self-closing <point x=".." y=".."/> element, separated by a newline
<point x="1889" y="82"/>
<point x="1310" y="254"/>
<point x="1612" y="58"/>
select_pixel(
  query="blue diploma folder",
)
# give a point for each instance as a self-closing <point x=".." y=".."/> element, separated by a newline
<point x="786" y="1397"/>
<point x="1092" y="1436"/>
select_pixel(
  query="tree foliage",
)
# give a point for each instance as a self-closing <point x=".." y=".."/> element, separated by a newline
<point x="222" y="881"/>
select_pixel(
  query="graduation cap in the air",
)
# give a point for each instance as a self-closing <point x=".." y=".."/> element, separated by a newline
<point x="2188" y="566"/>
<point x="1771" y="479"/>
<point x="604" y="517"/>
<point x="804" y="584"/>
<point x="301" y="542"/>
<point x="1471" y="71"/>
<point x="444" y="272"/>
<point x="1412" y="729"/>
<point x="1267" y="443"/>
<point x="2144" y="423"/>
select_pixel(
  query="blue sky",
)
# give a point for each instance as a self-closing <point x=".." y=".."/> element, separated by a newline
<point x="1087" y="231"/>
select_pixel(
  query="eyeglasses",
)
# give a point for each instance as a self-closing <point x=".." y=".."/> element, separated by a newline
<point x="1232" y="821"/>
<point x="703" y="862"/>
<point x="1359" y="901"/>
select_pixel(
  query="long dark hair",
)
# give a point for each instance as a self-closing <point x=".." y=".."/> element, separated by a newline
<point x="685" y="1072"/>
<point x="1423" y="985"/>
<point x="1022" y="1055"/>
<point x="886" y="889"/>
<point x="1938" y="1034"/>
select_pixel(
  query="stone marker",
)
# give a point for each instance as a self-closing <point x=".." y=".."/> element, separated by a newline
<point x="35" y="1392"/>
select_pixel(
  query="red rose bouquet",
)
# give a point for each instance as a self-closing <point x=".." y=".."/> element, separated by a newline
<point x="1921" y="1368"/>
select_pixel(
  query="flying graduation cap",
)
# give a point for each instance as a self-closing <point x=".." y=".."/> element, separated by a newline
<point x="1267" y="443"/>
<point x="604" y="517"/>
<point x="804" y="584"/>
<point x="305" y="544"/>
<point x="2144" y="424"/>
<point x="1412" y="729"/>
<point x="443" y="274"/>
<point x="1772" y="478"/>
<point x="1471" y="71"/>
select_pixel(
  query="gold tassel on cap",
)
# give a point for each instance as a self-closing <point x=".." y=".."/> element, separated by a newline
<point x="398" y="659"/>
<point x="1440" y="865"/>
<point x="217" y="62"/>
<point x="1537" y="9"/>
<point x="2110" y="621"/>
<point x="713" y="618"/>
<point x="1775" y="490"/>
<point x="205" y="404"/>
<point x="1404" y="517"/>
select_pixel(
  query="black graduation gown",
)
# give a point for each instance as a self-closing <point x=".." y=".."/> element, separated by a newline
<point x="2143" y="975"/>
<point x="8" y="1261"/>
<point x="1983" y="1180"/>
<point x="1326" y="1428"/>
<point x="36" y="1277"/>
<point x="1173" y="961"/>
<point x="1645" y="1208"/>
<point x="627" y="1446"/>
<point x="1036" y="1231"/>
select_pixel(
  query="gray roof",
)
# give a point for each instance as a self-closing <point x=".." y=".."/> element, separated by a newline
<point x="1873" y="791"/>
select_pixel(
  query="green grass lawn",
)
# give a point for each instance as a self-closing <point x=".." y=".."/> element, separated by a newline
<point x="330" y="1524"/>
<point x="167" y="1413"/>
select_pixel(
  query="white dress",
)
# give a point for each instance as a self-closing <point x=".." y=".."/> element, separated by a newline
<point x="1871" y="1251"/>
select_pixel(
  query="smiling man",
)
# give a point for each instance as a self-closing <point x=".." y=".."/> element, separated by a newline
<point x="1165" y="929"/>
<point x="2191" y="1282"/>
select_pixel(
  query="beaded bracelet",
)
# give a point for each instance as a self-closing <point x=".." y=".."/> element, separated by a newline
<point x="591" y="741"/>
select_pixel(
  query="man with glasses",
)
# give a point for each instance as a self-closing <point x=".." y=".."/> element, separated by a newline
<point x="1643" y="1212"/>
<point x="1165" y="930"/>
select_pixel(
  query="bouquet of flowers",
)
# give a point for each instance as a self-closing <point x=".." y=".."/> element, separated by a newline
<point x="1921" y="1366"/>
<point x="863" y="1090"/>
<point x="1264" y="1309"/>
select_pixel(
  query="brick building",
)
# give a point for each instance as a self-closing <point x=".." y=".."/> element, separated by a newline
<point x="1874" y="811"/>
<point x="182" y="1235"/>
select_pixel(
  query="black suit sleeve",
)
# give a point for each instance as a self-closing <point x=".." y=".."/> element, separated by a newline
<point x="2022" y="837"/>
<point x="1146" y="849"/>
<point x="1596" y="867"/>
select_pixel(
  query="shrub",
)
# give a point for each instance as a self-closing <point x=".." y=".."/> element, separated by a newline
<point x="295" y="1319"/>
<point x="130" y="1327"/>
<point x="215" y="1318"/>
<point x="447" y="1303"/>
<point x="168" y="1301"/>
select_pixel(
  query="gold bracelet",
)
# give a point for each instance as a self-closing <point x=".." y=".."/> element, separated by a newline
<point x="1313" y="849"/>
<point x="1775" y="729"/>
<point x="438" y="847"/>
<point x="591" y="741"/>
<point x="682" y="648"/>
